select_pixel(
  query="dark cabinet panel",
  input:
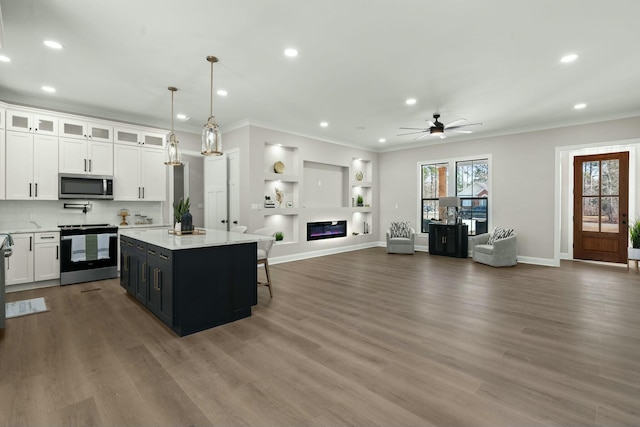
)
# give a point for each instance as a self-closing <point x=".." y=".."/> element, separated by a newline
<point x="449" y="240"/>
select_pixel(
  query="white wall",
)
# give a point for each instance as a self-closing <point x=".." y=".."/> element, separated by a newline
<point x="523" y="180"/>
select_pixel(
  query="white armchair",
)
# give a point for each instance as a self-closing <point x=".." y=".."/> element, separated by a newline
<point x="401" y="238"/>
<point x="497" y="252"/>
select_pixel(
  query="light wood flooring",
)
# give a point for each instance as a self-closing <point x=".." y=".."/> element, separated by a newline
<point x="361" y="338"/>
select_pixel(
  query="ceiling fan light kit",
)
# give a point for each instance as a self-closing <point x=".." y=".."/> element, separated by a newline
<point x="440" y="129"/>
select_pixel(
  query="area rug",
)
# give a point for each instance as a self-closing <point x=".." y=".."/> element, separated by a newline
<point x="25" y="307"/>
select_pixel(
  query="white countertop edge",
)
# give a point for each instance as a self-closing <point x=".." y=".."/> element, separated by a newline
<point x="162" y="238"/>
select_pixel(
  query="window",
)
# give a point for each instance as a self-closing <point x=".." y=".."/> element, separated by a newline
<point x="471" y="183"/>
<point x="472" y="186"/>
<point x="435" y="184"/>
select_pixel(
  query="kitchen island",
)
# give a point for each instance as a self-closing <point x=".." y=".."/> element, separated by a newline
<point x="191" y="282"/>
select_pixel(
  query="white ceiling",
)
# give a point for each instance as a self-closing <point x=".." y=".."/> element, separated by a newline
<point x="490" y="61"/>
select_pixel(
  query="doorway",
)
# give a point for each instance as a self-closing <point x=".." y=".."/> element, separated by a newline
<point x="600" y="207"/>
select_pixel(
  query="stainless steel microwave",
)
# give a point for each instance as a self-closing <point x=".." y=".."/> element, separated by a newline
<point x="72" y="186"/>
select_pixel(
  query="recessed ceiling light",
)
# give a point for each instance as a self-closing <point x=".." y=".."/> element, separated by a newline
<point x="569" y="58"/>
<point x="324" y="124"/>
<point x="580" y="106"/>
<point x="291" y="52"/>
<point x="411" y="101"/>
<point x="4" y="58"/>
<point x="49" y="89"/>
<point x="382" y="140"/>
<point x="52" y="44"/>
<point x="182" y="116"/>
<point x="222" y="92"/>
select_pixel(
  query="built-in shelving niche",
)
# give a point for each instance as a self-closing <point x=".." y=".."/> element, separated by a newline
<point x="288" y="224"/>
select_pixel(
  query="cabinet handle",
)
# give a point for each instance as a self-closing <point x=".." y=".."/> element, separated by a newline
<point x="140" y="247"/>
<point x="144" y="268"/>
<point x="138" y="192"/>
<point x="150" y="252"/>
<point x="126" y="263"/>
<point x="47" y="237"/>
<point x="89" y="165"/>
<point x="159" y="280"/>
<point x="85" y="165"/>
<point x="163" y="257"/>
<point x="30" y="243"/>
<point x="129" y="244"/>
<point x="235" y="222"/>
<point x="143" y="192"/>
<point x="57" y="252"/>
<point x="36" y="189"/>
<point x="29" y="189"/>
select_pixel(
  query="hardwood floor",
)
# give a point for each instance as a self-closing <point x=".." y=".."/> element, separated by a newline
<point x="361" y="338"/>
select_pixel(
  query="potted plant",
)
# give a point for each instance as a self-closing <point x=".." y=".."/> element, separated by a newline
<point x="182" y="216"/>
<point x="279" y="235"/>
<point x="359" y="200"/>
<point x="634" y="234"/>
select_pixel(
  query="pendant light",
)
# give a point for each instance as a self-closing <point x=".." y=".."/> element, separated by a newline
<point x="173" y="151"/>
<point x="211" y="137"/>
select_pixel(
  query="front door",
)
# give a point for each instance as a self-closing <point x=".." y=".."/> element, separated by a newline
<point x="600" y="206"/>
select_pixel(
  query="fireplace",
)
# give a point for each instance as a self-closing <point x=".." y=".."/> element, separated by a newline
<point x="326" y="229"/>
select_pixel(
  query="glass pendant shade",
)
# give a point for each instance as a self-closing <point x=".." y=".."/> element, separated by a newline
<point x="173" y="151"/>
<point x="211" y="136"/>
<point x="211" y="139"/>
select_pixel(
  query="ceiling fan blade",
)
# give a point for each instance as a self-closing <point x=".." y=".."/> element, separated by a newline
<point x="411" y="133"/>
<point x="455" y="123"/>
<point x="463" y="126"/>
<point x="430" y="123"/>
<point x="423" y="129"/>
<point x="421" y="136"/>
<point x="442" y="136"/>
<point x="459" y="131"/>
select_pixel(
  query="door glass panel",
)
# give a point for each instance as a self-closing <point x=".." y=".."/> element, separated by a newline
<point x="610" y="177"/>
<point x="590" y="211"/>
<point x="46" y="125"/>
<point x="20" y="122"/>
<point x="153" y="140"/>
<point x="71" y="129"/>
<point x="99" y="132"/>
<point x="590" y="178"/>
<point x="127" y="136"/>
<point x="609" y="214"/>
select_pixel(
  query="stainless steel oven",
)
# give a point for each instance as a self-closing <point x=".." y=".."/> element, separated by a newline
<point x="88" y="252"/>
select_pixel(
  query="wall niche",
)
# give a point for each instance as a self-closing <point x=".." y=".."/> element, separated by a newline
<point x="325" y="185"/>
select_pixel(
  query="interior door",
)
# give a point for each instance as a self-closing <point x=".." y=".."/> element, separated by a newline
<point x="233" y="171"/>
<point x="215" y="193"/>
<point x="600" y="206"/>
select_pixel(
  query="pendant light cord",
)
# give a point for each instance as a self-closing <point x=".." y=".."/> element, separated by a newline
<point x="211" y="98"/>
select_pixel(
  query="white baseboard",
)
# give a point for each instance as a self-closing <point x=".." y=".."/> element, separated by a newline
<point x="565" y="255"/>
<point x="33" y="285"/>
<point x="547" y="262"/>
<point x="315" y="254"/>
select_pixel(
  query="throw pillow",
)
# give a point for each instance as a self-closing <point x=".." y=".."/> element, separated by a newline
<point x="499" y="234"/>
<point x="400" y="229"/>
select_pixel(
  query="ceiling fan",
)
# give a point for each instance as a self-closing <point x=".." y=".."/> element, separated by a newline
<point x="438" y="128"/>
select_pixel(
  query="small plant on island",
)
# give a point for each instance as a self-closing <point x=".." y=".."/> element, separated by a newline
<point x="180" y="208"/>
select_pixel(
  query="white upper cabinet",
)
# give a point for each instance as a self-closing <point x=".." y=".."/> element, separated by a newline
<point x="139" y="174"/>
<point x="80" y="156"/>
<point x="2" y="113"/>
<point x="150" y="139"/>
<point x="25" y="121"/>
<point x="32" y="169"/>
<point x="81" y="129"/>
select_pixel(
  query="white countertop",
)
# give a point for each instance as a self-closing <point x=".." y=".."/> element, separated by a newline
<point x="30" y="227"/>
<point x="162" y="238"/>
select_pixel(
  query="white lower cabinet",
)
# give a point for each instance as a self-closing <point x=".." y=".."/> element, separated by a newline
<point x="47" y="256"/>
<point x="35" y="257"/>
<point x="139" y="173"/>
<point x="19" y="266"/>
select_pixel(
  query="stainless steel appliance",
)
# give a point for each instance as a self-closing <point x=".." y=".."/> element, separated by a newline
<point x="88" y="252"/>
<point x="73" y="186"/>
<point x="5" y="252"/>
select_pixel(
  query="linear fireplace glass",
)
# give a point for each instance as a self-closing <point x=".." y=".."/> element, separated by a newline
<point x="326" y="229"/>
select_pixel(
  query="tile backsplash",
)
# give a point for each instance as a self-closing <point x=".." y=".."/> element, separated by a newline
<point x="17" y="214"/>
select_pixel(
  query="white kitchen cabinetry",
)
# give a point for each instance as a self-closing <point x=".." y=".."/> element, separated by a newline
<point x="24" y="121"/>
<point x="2" y="166"/>
<point x="80" y="156"/>
<point x="92" y="131"/>
<point x="47" y="256"/>
<point x="124" y="135"/>
<point x="19" y="266"/>
<point x="139" y="174"/>
<point x="31" y="167"/>
<point x="2" y="116"/>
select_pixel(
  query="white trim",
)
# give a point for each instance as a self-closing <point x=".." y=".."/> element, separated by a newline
<point x="547" y="262"/>
<point x="32" y="285"/>
<point x="323" y="252"/>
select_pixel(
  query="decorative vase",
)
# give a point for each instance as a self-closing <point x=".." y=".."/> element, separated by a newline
<point x="187" y="222"/>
